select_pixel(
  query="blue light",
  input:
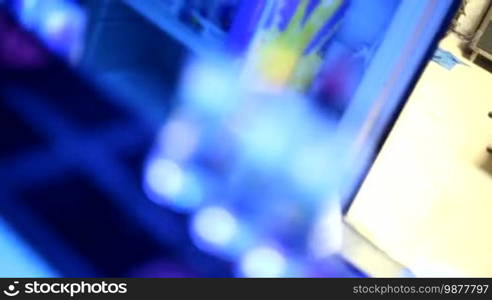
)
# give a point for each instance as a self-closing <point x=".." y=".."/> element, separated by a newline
<point x="310" y="166"/>
<point x="280" y="165"/>
<point x="17" y="259"/>
<point x="264" y="262"/>
<point x="266" y="141"/>
<point x="165" y="178"/>
<point x="168" y="184"/>
<point x="54" y="23"/>
<point x="273" y="128"/>
<point x="210" y="88"/>
<point x="179" y="139"/>
<point x="60" y="24"/>
<point x="215" y="226"/>
<point x="326" y="237"/>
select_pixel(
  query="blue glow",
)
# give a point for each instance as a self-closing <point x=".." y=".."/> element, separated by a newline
<point x="54" y="23"/>
<point x="215" y="226"/>
<point x="210" y="88"/>
<point x="263" y="262"/>
<point x="266" y="141"/>
<point x="168" y="184"/>
<point x="270" y="139"/>
<point x="358" y="31"/>
<point x="283" y="161"/>
<point x="326" y="237"/>
<point x="165" y="178"/>
<point x="250" y="161"/>
<point x="310" y="165"/>
<point x="179" y="139"/>
<point x="17" y="259"/>
<point x="60" y="24"/>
